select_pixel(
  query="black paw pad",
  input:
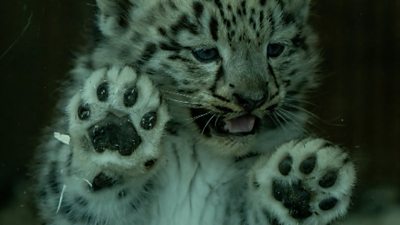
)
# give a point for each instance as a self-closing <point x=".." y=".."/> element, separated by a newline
<point x="300" y="213"/>
<point x="102" y="181"/>
<point x="294" y="197"/>
<point x="286" y="165"/>
<point x="115" y="133"/>
<point x="130" y="97"/>
<point x="308" y="165"/>
<point x="84" y="112"/>
<point x="150" y="164"/>
<point x="278" y="190"/>
<point x="328" y="204"/>
<point x="102" y="92"/>
<point x="329" y="179"/>
<point x="149" y="120"/>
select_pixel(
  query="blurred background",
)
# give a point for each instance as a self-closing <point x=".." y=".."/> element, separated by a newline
<point x="358" y="105"/>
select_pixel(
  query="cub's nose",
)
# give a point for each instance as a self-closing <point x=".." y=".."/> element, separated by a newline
<point x="249" y="103"/>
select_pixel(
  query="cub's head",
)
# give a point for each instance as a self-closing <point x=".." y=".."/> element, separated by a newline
<point x="237" y="69"/>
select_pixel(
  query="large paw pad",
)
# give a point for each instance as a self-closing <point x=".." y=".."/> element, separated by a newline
<point x="115" y="133"/>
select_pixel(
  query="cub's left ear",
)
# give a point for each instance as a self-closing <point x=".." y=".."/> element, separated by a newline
<point x="114" y="15"/>
<point x="299" y="8"/>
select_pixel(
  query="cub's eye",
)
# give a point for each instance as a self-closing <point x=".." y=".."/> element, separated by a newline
<point x="206" y="55"/>
<point x="275" y="50"/>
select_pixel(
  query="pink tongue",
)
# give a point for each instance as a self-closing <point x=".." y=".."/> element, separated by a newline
<point x="243" y="124"/>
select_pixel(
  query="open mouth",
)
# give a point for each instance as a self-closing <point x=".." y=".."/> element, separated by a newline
<point x="238" y="126"/>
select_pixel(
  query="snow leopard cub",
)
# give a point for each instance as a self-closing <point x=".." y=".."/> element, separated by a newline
<point x="190" y="112"/>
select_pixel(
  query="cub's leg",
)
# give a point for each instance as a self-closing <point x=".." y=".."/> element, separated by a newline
<point x="304" y="182"/>
<point x="115" y="123"/>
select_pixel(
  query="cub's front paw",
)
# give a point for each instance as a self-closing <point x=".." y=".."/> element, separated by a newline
<point x="117" y="121"/>
<point x="304" y="182"/>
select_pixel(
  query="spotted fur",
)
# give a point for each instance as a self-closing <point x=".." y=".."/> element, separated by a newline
<point x="207" y="61"/>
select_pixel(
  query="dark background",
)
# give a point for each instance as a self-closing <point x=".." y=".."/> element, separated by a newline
<point x="358" y="103"/>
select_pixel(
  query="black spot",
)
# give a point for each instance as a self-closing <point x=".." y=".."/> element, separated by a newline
<point x="150" y="163"/>
<point x="299" y="41"/>
<point x="177" y="57"/>
<point x="198" y="9"/>
<point x="218" y="3"/>
<point x="130" y="97"/>
<point x="102" y="181"/>
<point x="122" y="194"/>
<point x="288" y="18"/>
<point x="328" y="204"/>
<point x="68" y="163"/>
<point x="327" y="144"/>
<point x="102" y="92"/>
<point x="293" y="73"/>
<point x="162" y="31"/>
<point x="43" y="193"/>
<point x="261" y="17"/>
<point x="213" y="26"/>
<point x="286" y="165"/>
<point x="124" y="6"/>
<point x="170" y="46"/>
<point x="149" y="120"/>
<point x="147" y="54"/>
<point x="329" y="179"/>
<point x="308" y="165"/>
<point x="135" y="204"/>
<point x="67" y="210"/>
<point x="234" y="19"/>
<point x="53" y="178"/>
<point x="263" y="2"/>
<point x="84" y="112"/>
<point x="81" y="201"/>
<point x="172" y="5"/>
<point x="256" y="185"/>
<point x="148" y="186"/>
<point x="182" y="24"/>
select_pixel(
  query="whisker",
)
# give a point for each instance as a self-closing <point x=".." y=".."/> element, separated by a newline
<point x="176" y="93"/>
<point x="216" y="120"/>
<point x="192" y="120"/>
<point x="294" y="119"/>
<point x="183" y="102"/>
<point x="299" y="100"/>
<point x="208" y="122"/>
<point x="302" y="109"/>
<point x="276" y="119"/>
<point x="199" y="116"/>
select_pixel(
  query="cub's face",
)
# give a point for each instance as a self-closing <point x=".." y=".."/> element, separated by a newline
<point x="238" y="68"/>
